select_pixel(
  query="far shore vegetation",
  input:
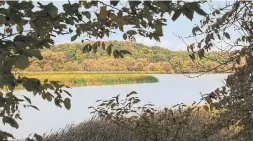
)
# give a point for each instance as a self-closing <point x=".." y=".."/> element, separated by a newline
<point x="69" y="57"/>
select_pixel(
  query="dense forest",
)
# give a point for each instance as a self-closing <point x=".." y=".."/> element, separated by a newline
<point x="71" y="57"/>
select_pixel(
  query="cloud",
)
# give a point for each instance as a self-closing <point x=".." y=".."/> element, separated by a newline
<point x="151" y="42"/>
<point x="173" y="44"/>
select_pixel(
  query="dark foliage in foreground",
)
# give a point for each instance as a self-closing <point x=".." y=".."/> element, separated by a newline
<point x="101" y="130"/>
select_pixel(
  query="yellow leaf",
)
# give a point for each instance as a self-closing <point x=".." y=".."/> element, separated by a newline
<point x="103" y="12"/>
<point x="206" y="108"/>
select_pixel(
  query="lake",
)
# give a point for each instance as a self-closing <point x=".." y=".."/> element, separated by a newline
<point x="170" y="90"/>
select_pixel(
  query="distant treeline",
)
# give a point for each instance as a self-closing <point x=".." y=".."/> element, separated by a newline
<point x="70" y="57"/>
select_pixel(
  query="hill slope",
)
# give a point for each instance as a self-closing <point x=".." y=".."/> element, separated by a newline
<point x="69" y="57"/>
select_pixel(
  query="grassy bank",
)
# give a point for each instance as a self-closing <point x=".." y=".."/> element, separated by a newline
<point x="87" y="79"/>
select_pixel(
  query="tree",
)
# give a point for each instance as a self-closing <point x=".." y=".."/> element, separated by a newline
<point x="27" y="30"/>
<point x="230" y="25"/>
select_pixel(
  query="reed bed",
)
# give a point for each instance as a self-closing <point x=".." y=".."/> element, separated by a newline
<point x="87" y="79"/>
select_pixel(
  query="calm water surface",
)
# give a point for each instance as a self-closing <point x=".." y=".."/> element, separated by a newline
<point x="170" y="90"/>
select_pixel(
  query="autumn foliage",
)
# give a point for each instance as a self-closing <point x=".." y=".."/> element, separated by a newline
<point x="69" y="57"/>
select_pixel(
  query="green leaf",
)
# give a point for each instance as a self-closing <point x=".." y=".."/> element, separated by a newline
<point x="21" y="62"/>
<point x="103" y="45"/>
<point x="133" y="92"/>
<point x="147" y="14"/>
<point x="226" y="35"/>
<point x="70" y="21"/>
<point x="6" y="135"/>
<point x="12" y="122"/>
<point x="113" y="105"/>
<point x="32" y="53"/>
<point x="196" y="29"/>
<point x="189" y="14"/>
<point x="80" y="17"/>
<point x="95" y="48"/>
<point x="2" y="19"/>
<point x="176" y="14"/>
<point x="117" y="54"/>
<point x="8" y="64"/>
<point x="48" y="97"/>
<point x="134" y="3"/>
<point x="31" y="84"/>
<point x="67" y="92"/>
<point x="67" y="103"/>
<point x="217" y="11"/>
<point x="87" y="14"/>
<point x="53" y="11"/>
<point x="114" y="2"/>
<point x="192" y="56"/>
<point x="131" y="32"/>
<point x="86" y="48"/>
<point x="38" y="137"/>
<point x="200" y="11"/>
<point x="238" y="60"/>
<point x="109" y="50"/>
<point x="124" y="36"/>
<point x="20" y="28"/>
<point x="73" y="38"/>
<point x="68" y="8"/>
<point x="28" y="99"/>
<point x="201" y="53"/>
<point x="57" y="102"/>
<point x="70" y="30"/>
<point x="136" y="101"/>
<point x="125" y="52"/>
<point x="159" y="29"/>
<point x="34" y="107"/>
<point x="48" y="86"/>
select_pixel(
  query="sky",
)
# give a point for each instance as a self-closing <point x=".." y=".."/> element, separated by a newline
<point x="182" y="26"/>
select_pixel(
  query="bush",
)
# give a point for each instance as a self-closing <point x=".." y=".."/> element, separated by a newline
<point x="92" y="130"/>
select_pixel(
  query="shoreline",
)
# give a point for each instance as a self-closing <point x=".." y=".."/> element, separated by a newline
<point x="116" y="72"/>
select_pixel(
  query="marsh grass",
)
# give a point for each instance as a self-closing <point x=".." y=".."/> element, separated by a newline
<point x="88" y="79"/>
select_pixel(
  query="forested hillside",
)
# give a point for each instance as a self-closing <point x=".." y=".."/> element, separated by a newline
<point x="71" y="57"/>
